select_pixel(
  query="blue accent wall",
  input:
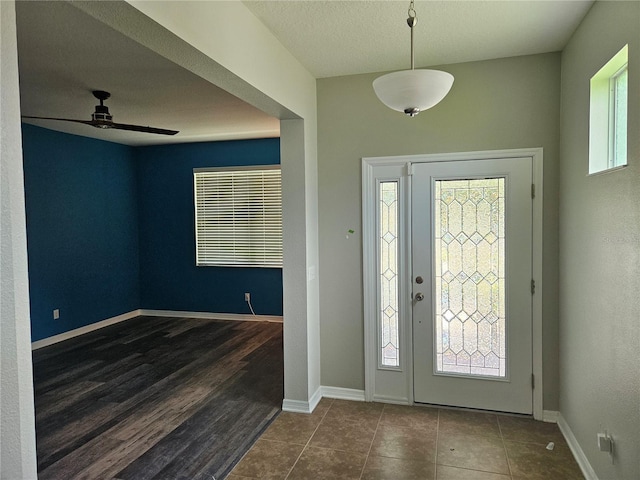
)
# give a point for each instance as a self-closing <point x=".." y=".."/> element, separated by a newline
<point x="82" y="230"/>
<point x="170" y="279"/>
<point x="110" y="229"/>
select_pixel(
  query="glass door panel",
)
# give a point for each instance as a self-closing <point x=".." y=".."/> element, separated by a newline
<point x="469" y="277"/>
<point x="388" y="274"/>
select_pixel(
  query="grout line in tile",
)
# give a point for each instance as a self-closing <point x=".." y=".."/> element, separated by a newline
<point x="435" y="460"/>
<point x="543" y="443"/>
<point x="504" y="446"/>
<point x="476" y="470"/>
<point x="308" y="441"/>
<point x="366" y="459"/>
<point x="319" y="447"/>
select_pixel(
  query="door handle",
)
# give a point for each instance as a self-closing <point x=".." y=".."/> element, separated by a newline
<point x="419" y="296"/>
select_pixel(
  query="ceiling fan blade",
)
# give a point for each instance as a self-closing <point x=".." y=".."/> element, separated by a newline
<point x="86" y="122"/>
<point x="101" y="118"/>
<point x="106" y="124"/>
<point x="140" y="128"/>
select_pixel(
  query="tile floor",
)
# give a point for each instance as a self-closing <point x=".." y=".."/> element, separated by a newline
<point x="355" y="440"/>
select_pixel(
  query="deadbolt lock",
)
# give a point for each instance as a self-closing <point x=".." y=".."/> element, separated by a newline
<point x="419" y="280"/>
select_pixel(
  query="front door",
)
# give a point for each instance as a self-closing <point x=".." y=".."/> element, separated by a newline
<point x="471" y="249"/>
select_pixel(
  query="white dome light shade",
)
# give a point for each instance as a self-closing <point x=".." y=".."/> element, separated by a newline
<point x="412" y="91"/>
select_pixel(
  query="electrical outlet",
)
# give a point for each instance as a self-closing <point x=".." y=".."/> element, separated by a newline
<point x="56" y="314"/>
<point x="605" y="442"/>
<point x="247" y="297"/>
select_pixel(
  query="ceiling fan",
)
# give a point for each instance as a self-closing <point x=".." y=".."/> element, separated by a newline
<point x="101" y="118"/>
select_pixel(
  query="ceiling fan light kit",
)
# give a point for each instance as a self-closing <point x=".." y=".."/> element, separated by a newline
<point x="412" y="91"/>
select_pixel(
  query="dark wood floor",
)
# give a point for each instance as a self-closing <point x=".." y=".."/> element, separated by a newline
<point x="156" y="398"/>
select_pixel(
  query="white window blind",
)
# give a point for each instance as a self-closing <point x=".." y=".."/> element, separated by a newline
<point x="238" y="217"/>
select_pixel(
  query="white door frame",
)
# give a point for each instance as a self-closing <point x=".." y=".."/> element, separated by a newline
<point x="403" y="381"/>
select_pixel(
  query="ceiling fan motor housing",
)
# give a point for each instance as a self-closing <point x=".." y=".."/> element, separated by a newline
<point x="102" y="114"/>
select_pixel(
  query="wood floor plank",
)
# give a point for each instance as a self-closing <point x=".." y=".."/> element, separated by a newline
<point x="182" y="327"/>
<point x="69" y="466"/>
<point x="203" y="438"/>
<point x="142" y="432"/>
<point x="52" y="447"/>
<point x="54" y="401"/>
<point x="209" y="453"/>
<point x="52" y="380"/>
<point x="156" y="398"/>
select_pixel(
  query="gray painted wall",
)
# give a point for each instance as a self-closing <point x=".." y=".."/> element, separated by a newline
<point x="17" y="421"/>
<point x="600" y="253"/>
<point x="498" y="104"/>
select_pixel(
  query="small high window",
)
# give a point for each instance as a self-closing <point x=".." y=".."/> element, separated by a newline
<point x="608" y="114"/>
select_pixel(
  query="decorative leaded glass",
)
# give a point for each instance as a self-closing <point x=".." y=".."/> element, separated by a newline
<point x="388" y="241"/>
<point x="469" y="277"/>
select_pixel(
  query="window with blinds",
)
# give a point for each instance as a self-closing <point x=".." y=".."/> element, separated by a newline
<point x="238" y="217"/>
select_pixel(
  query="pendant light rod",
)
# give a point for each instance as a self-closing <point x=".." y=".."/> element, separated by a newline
<point x="411" y="21"/>
<point x="412" y="91"/>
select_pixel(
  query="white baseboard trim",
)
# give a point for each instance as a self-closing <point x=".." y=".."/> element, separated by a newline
<point x="587" y="470"/>
<point x="212" y="316"/>
<point x="300" y="406"/>
<point x="343" y="393"/>
<point x="315" y="399"/>
<point x="393" y="400"/>
<point x="550" y="416"/>
<point x="296" y="406"/>
<point x="45" y="342"/>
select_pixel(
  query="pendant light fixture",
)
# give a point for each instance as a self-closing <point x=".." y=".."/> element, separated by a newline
<point x="412" y="91"/>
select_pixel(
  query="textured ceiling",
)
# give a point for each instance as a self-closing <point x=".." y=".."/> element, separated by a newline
<point x="334" y="38"/>
<point x="64" y="53"/>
